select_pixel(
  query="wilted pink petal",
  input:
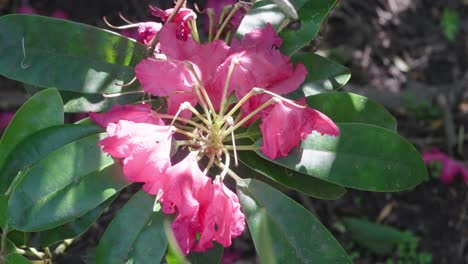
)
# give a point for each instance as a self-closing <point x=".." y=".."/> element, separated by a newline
<point x="5" y="118"/>
<point x="286" y="125"/>
<point x="140" y="113"/>
<point x="145" y="149"/>
<point x="147" y="31"/>
<point x="60" y="14"/>
<point x="222" y="219"/>
<point x="450" y="167"/>
<point x="27" y="10"/>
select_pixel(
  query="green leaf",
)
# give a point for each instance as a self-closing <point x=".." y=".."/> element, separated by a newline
<point x="43" y="110"/>
<point x="49" y="52"/>
<point x="3" y="210"/>
<point x="291" y="179"/>
<point x="80" y="102"/>
<point x="136" y="234"/>
<point x="450" y="24"/>
<point x="39" y="145"/>
<point x="300" y="33"/>
<point x="71" y="229"/>
<point x="323" y="74"/>
<point x="69" y="182"/>
<point x="344" y="107"/>
<point x="311" y="16"/>
<point x="285" y="232"/>
<point x="287" y="8"/>
<point x="213" y="255"/>
<point x="15" y="258"/>
<point x="364" y="157"/>
<point x="379" y="239"/>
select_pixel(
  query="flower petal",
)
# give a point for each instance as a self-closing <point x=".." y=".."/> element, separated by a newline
<point x="286" y="125"/>
<point x="140" y="113"/>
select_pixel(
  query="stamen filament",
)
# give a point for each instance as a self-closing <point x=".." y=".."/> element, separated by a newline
<point x="112" y="95"/>
<point x="185" y="120"/>
<point x="210" y="163"/>
<point x="230" y="121"/>
<point x="239" y="181"/>
<point x="228" y="161"/>
<point x="226" y="20"/>
<point x="193" y="28"/>
<point x="244" y="99"/>
<point x="234" y="62"/>
<point x="233" y="147"/>
<point x="211" y="16"/>
<point x="188" y="134"/>
<point x="202" y="118"/>
<point x="256" y="111"/>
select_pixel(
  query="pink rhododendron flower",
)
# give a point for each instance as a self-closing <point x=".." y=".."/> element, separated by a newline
<point x="218" y="6"/>
<point x="140" y="113"/>
<point x="287" y="124"/>
<point x="60" y="14"/>
<point x="233" y="87"/>
<point x="182" y="19"/>
<point x="222" y="219"/>
<point x="450" y="167"/>
<point x="145" y="149"/>
<point x="27" y="10"/>
<point x="172" y="77"/>
<point x="147" y="31"/>
<point x="5" y="118"/>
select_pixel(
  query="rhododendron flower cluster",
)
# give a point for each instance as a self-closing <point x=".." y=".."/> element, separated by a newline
<point x="210" y="90"/>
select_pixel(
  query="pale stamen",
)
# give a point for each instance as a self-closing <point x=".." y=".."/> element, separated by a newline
<point x="112" y="95"/>
<point x="233" y="64"/>
<point x="244" y="99"/>
<point x="182" y="107"/>
<point x="249" y="116"/>
<point x="230" y="122"/>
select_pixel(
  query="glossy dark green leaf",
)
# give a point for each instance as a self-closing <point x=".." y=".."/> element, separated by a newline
<point x="43" y="110"/>
<point x="71" y="229"/>
<point x="344" y="107"/>
<point x="49" y="52"/>
<point x="364" y="157"/>
<point x="299" y="33"/>
<point x="311" y="16"/>
<point x="323" y="74"/>
<point x="79" y="102"/>
<point x="69" y="182"/>
<point x="136" y="234"/>
<point x="285" y="232"/>
<point x="287" y="8"/>
<point x="213" y="255"/>
<point x="380" y="239"/>
<point x="39" y="145"/>
<point x="291" y="179"/>
<point x="15" y="258"/>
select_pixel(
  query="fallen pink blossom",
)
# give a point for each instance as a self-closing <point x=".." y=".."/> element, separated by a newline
<point x="450" y="167"/>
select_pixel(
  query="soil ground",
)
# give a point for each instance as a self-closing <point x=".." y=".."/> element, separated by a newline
<point x="399" y="56"/>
